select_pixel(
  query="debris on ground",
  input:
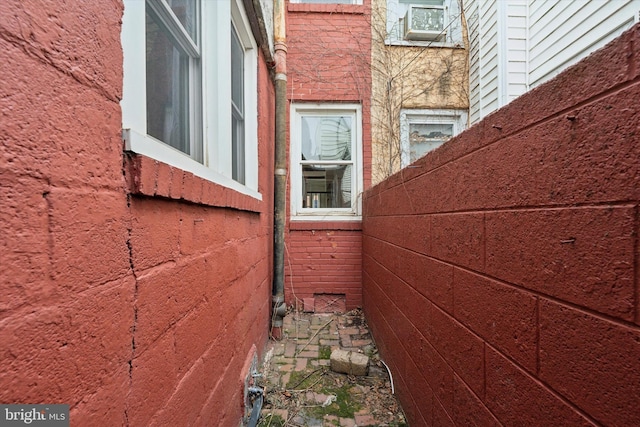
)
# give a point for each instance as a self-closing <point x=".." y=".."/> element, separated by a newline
<point x="302" y="387"/>
<point x="349" y="362"/>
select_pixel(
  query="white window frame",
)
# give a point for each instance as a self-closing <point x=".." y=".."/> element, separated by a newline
<point x="327" y="1"/>
<point x="458" y="118"/>
<point x="298" y="212"/>
<point x="216" y="165"/>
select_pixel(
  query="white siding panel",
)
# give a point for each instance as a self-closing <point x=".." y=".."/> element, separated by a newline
<point x="563" y="32"/>
<point x="516" y="50"/>
<point x="473" y="23"/>
<point x="488" y="12"/>
<point x="471" y="13"/>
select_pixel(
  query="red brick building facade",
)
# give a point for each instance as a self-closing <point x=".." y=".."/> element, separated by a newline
<point x="134" y="291"/>
<point x="328" y="66"/>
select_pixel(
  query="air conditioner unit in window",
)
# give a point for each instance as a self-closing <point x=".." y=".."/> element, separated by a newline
<point x="425" y="23"/>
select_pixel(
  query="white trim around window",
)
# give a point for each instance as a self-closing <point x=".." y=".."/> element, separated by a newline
<point x="444" y="123"/>
<point x="209" y="90"/>
<point x="326" y="162"/>
<point x="327" y="1"/>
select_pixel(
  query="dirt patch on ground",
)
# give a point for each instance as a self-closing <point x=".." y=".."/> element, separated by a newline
<point x="302" y="390"/>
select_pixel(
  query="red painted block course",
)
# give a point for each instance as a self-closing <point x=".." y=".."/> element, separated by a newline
<point x="582" y="255"/>
<point x="511" y="323"/>
<point x="85" y="227"/>
<point x="593" y="362"/>
<point x="24" y="253"/>
<point x="460" y="348"/>
<point x="459" y="239"/>
<point x="72" y="328"/>
<point x="511" y="391"/>
<point x="84" y="42"/>
<point x="107" y="405"/>
<point x="43" y="140"/>
<point x="155" y="233"/>
<point x="431" y="278"/>
<point x="468" y="409"/>
<point x="200" y="229"/>
<point x="543" y="204"/>
<point x="165" y="295"/>
<point x="163" y="179"/>
<point x="192" y="334"/>
<point x="416" y="233"/>
<point x="149" y="390"/>
<point x="440" y="417"/>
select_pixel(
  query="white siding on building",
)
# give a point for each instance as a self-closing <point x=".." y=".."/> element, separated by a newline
<point x="563" y="32"/>
<point x="488" y="16"/>
<point x="516" y="45"/>
<point x="473" y="22"/>
<point x="516" y="50"/>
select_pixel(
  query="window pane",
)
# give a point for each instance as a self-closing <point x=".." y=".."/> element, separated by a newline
<point x="167" y="88"/>
<point x="237" y="149"/>
<point x="326" y="186"/>
<point x="328" y="1"/>
<point x="237" y="70"/>
<point x="237" y="108"/>
<point x="326" y="137"/>
<point x="186" y="12"/>
<point x="425" y="137"/>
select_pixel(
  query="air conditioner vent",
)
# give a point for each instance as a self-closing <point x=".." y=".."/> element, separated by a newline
<point x="423" y="22"/>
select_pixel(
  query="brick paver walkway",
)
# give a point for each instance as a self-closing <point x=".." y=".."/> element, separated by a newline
<point x="301" y="389"/>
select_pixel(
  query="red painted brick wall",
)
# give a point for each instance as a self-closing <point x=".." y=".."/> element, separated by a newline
<point x="325" y="260"/>
<point x="328" y="60"/>
<point x="132" y="291"/>
<point x="501" y="272"/>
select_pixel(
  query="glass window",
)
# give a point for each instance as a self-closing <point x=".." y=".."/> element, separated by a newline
<point x="237" y="107"/>
<point x="325" y="147"/>
<point x="424" y="137"/>
<point x="328" y="1"/>
<point x="190" y="88"/>
<point x="422" y="131"/>
<point x="167" y="86"/>
<point x="172" y="73"/>
<point x="328" y="139"/>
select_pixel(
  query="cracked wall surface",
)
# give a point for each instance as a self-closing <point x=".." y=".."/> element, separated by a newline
<point x="131" y="291"/>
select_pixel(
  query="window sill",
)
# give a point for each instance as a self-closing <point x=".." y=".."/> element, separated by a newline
<point x="302" y="225"/>
<point x="148" y="177"/>
<point x="415" y="43"/>
<point x="356" y="9"/>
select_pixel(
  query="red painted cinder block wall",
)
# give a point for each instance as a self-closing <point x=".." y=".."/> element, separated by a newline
<point x="501" y="271"/>
<point x="132" y="291"/>
<point x="328" y="61"/>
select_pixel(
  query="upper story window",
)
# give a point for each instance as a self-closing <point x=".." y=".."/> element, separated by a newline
<point x="424" y="22"/>
<point x="190" y="88"/>
<point x="326" y="161"/>
<point x="422" y="131"/>
<point x="328" y="1"/>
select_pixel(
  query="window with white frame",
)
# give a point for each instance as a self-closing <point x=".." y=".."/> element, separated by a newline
<point x="326" y="169"/>
<point x="422" y="131"/>
<point x="328" y="1"/>
<point x="190" y="88"/>
<point x="424" y="22"/>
